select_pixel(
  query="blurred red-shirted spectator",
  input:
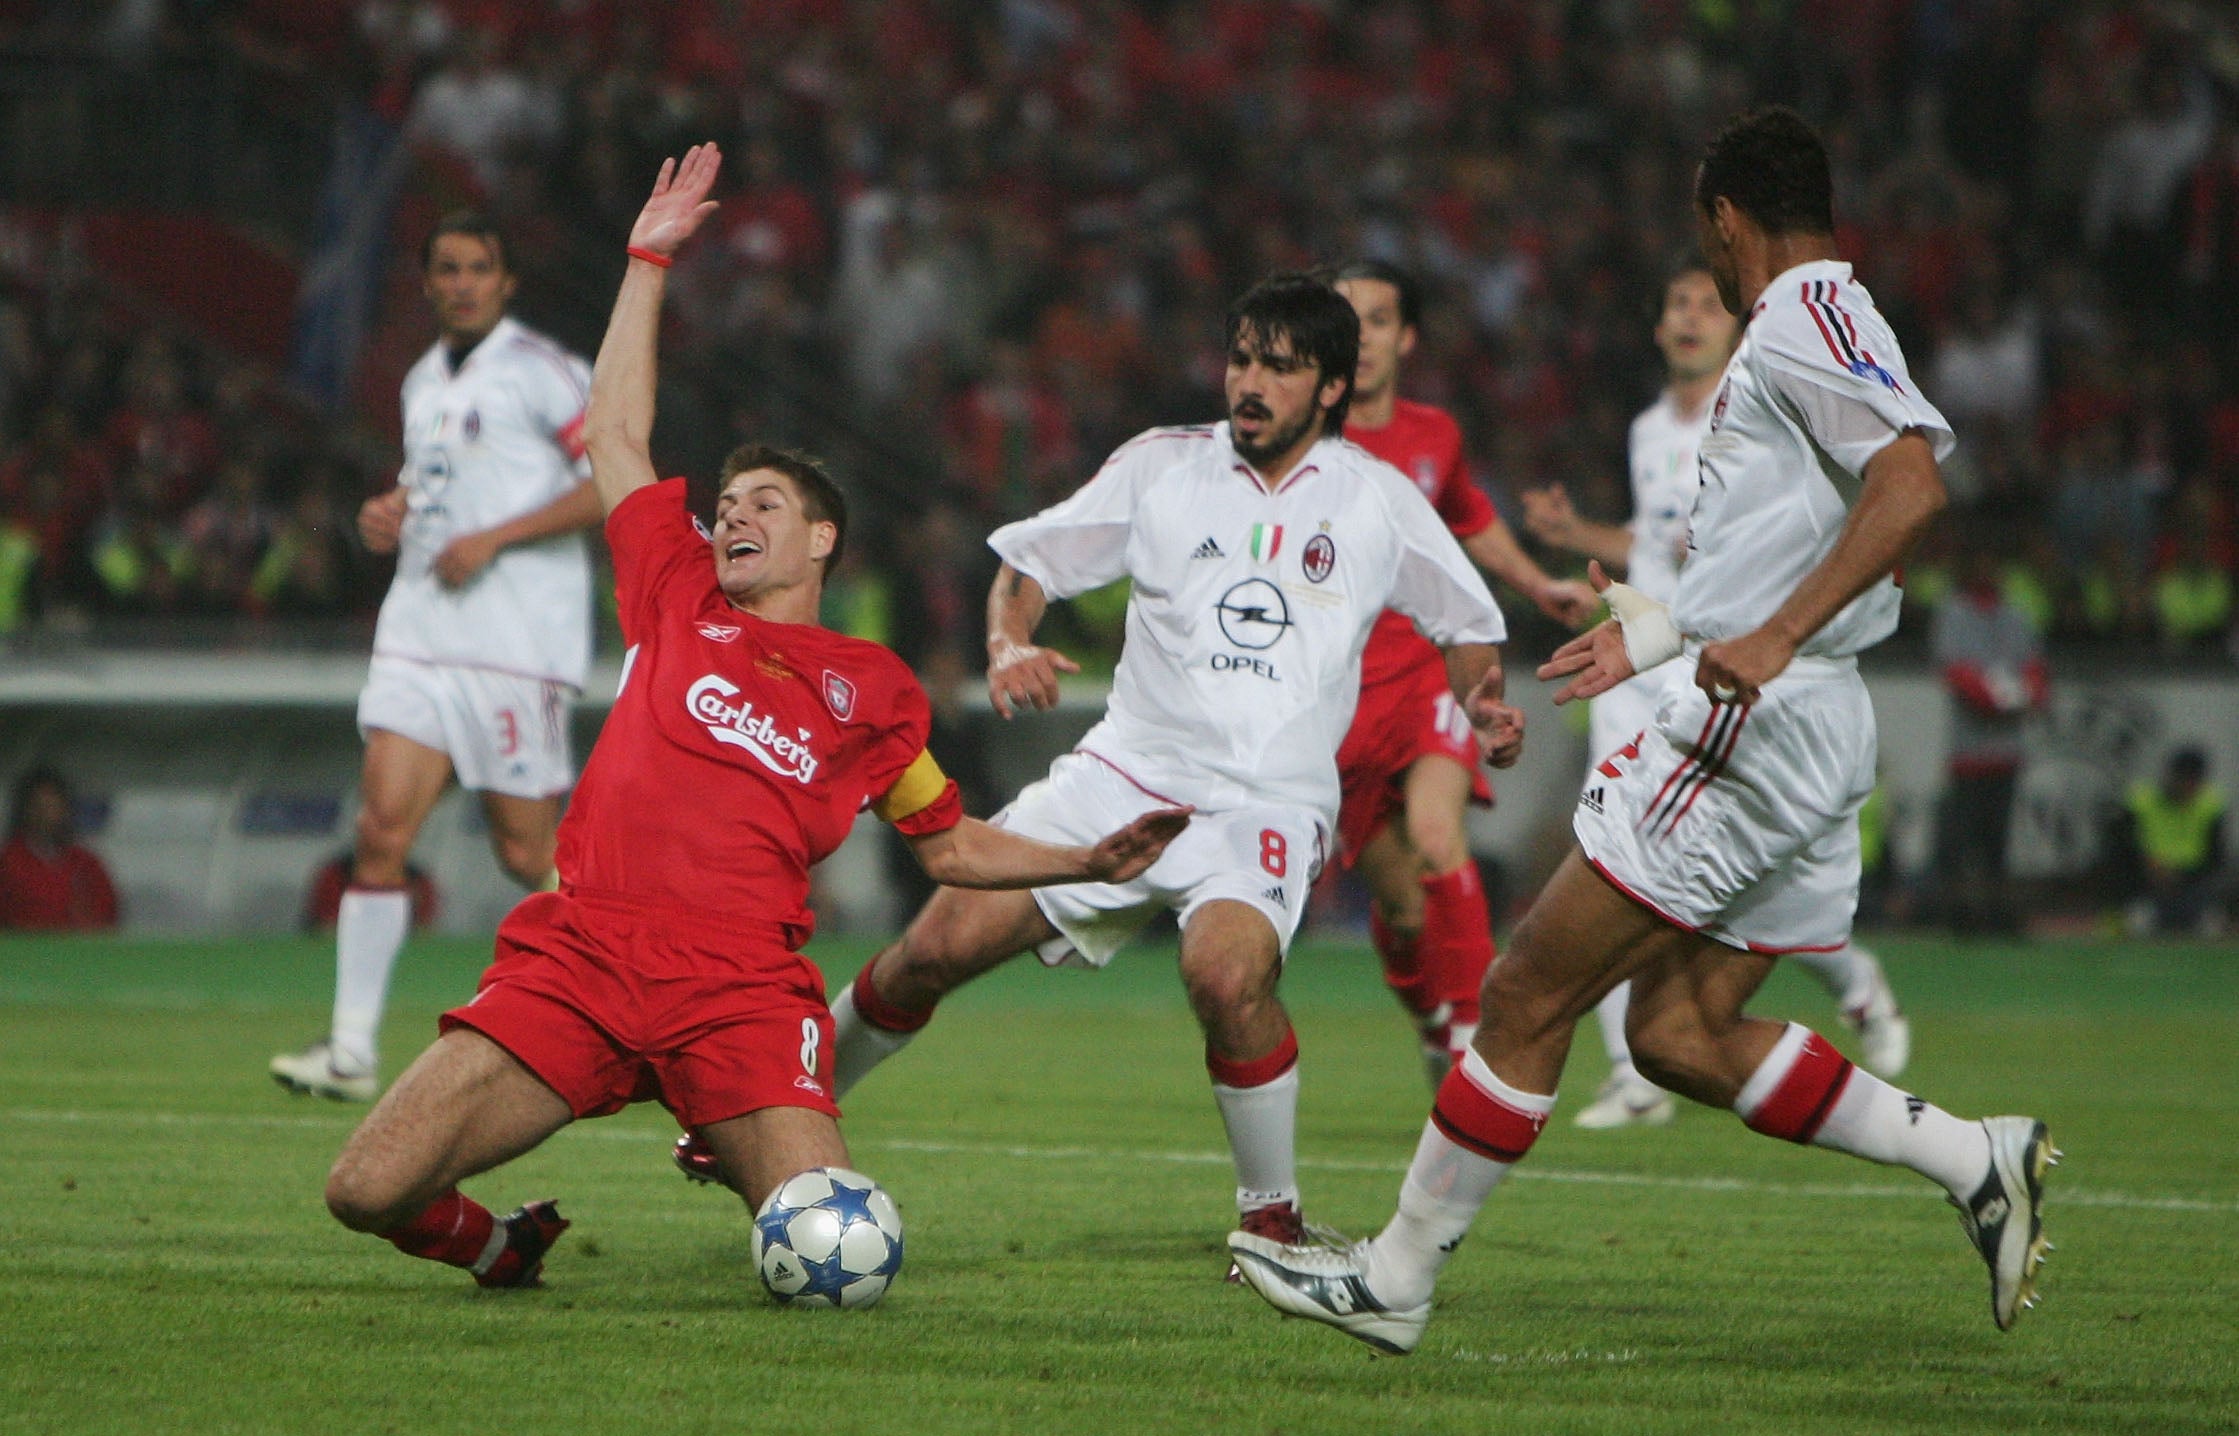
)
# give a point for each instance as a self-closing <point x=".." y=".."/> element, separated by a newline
<point x="48" y="880"/>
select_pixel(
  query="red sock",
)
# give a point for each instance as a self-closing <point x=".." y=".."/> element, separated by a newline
<point x="1403" y="964"/>
<point x="1457" y="942"/>
<point x="455" y="1229"/>
<point x="880" y="1013"/>
<point x="1258" y="1071"/>
<point x="1797" y="1085"/>
<point x="1476" y="1111"/>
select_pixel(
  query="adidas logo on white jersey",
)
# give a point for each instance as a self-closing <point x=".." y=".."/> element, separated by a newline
<point x="1276" y="896"/>
<point x="1207" y="549"/>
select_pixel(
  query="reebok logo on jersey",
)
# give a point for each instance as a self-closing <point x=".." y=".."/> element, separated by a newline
<point x="719" y="632"/>
<point x="741" y="727"/>
<point x="1207" y="549"/>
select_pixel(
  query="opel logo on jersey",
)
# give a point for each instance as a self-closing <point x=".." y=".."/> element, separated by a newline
<point x="1253" y="614"/>
<point x="435" y="473"/>
<point x="741" y="727"/>
<point x="1319" y="558"/>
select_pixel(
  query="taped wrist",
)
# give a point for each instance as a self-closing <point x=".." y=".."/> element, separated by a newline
<point x="1650" y="636"/>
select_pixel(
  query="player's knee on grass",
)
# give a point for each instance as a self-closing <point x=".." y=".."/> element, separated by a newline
<point x="364" y="1201"/>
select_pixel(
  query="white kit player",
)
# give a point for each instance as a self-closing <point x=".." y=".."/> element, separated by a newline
<point x="485" y="635"/>
<point x="1727" y="833"/>
<point x="1261" y="550"/>
<point x="1696" y="336"/>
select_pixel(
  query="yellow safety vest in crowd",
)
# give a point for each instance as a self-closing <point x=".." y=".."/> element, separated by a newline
<point x="2175" y="835"/>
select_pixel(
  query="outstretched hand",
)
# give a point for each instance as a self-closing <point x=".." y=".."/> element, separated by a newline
<point x="1550" y="516"/>
<point x="1024" y="675"/>
<point x="679" y="202"/>
<point x="1127" y="854"/>
<point x="1595" y="661"/>
<point x="381" y="520"/>
<point x="1567" y="601"/>
<point x="1499" y="725"/>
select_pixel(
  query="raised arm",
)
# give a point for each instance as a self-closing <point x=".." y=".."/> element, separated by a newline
<point x="1020" y="674"/>
<point x="618" y="429"/>
<point x="1903" y="493"/>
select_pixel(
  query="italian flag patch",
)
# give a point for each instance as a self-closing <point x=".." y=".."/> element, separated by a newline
<point x="1267" y="541"/>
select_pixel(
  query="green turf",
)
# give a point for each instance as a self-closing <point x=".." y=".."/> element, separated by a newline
<point x="166" y="1266"/>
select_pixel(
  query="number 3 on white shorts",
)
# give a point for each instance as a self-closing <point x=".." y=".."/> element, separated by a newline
<point x="811" y="1035"/>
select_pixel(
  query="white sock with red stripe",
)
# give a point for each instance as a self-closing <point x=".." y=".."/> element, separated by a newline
<point x="867" y="1029"/>
<point x="1806" y="1091"/>
<point x="1478" y="1129"/>
<point x="1259" y="1107"/>
<point x="368" y="933"/>
<point x="1610" y="1013"/>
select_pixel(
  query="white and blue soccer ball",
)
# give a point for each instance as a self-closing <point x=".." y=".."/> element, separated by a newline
<point x="828" y="1237"/>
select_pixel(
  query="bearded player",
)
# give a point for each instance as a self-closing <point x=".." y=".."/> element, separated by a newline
<point x="743" y="743"/>
<point x="1727" y="833"/>
<point x="1696" y="336"/>
<point x="1262" y="549"/>
<point x="1409" y="765"/>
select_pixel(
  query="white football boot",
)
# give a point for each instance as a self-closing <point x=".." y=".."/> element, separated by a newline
<point x="315" y="1070"/>
<point x="1884" y="1036"/>
<point x="1326" y="1284"/>
<point x="2005" y="1216"/>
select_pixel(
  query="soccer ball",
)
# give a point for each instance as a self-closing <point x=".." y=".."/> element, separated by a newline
<point x="828" y="1237"/>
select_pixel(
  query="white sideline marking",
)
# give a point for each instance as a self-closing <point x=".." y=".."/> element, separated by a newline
<point x="2062" y="1196"/>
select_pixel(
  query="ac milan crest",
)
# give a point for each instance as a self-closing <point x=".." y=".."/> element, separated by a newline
<point x="1318" y="558"/>
<point x="471" y="426"/>
<point x="839" y="696"/>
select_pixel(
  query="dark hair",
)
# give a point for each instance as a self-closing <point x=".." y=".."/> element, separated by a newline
<point x="1385" y="272"/>
<point x="1773" y="168"/>
<point x="821" y="499"/>
<point x="2188" y="764"/>
<point x="1318" y="321"/>
<point x="31" y="781"/>
<point x="469" y="222"/>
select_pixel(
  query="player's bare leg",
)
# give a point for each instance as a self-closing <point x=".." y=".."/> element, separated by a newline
<point x="1230" y="961"/>
<point x="1787" y="1081"/>
<point x="466" y="1106"/>
<point x="399" y="785"/>
<point x="523" y="835"/>
<point x="757" y="1151"/>
<point x="957" y="936"/>
<point x="1456" y="942"/>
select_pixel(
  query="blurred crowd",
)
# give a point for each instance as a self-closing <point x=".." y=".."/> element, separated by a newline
<point x="968" y="248"/>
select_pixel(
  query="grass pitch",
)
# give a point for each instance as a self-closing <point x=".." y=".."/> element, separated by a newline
<point x="166" y="1265"/>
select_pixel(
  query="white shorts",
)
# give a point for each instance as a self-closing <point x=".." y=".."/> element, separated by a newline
<point x="504" y="733"/>
<point x="1617" y="716"/>
<point x="1741" y="823"/>
<point x="1265" y="855"/>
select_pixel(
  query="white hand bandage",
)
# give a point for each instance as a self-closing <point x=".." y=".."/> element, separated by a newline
<point x="1650" y="637"/>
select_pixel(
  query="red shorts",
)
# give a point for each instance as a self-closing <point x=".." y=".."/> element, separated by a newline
<point x="612" y="1005"/>
<point x="1407" y="716"/>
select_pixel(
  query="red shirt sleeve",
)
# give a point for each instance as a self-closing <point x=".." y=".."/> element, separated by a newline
<point x="1460" y="502"/>
<point x="901" y="741"/>
<point x="653" y="540"/>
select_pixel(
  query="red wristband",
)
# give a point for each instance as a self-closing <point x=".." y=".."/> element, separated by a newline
<point x="649" y="256"/>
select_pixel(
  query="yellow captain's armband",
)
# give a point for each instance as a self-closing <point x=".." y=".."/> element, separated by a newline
<point x="921" y="783"/>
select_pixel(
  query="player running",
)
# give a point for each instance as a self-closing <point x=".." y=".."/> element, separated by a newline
<point x="742" y="744"/>
<point x="1696" y="336"/>
<point x="1727" y="833"/>
<point x="485" y="634"/>
<point x="1261" y="550"/>
<point x="1408" y="768"/>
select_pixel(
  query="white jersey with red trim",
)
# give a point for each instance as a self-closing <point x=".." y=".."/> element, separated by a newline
<point x="1815" y="390"/>
<point x="500" y="438"/>
<point x="1662" y="453"/>
<point x="1250" y="609"/>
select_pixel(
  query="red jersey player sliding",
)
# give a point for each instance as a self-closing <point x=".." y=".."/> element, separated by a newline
<point x="744" y="741"/>
<point x="1409" y="764"/>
